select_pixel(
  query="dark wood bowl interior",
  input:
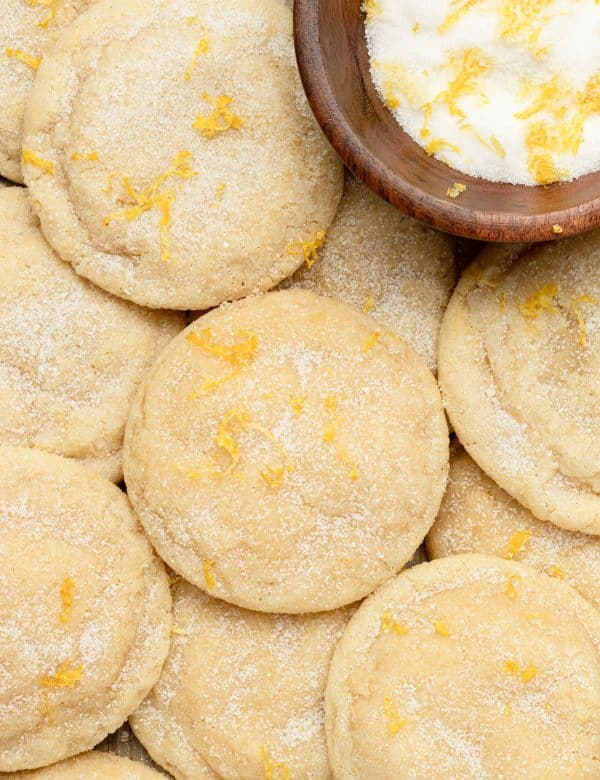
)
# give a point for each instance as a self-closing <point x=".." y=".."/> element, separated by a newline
<point x="334" y="66"/>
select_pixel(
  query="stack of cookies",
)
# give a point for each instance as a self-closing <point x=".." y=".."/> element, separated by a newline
<point x="221" y="431"/>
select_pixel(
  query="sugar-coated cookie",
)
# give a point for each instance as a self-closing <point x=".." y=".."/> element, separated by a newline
<point x="469" y="666"/>
<point x="386" y="264"/>
<point x="216" y="184"/>
<point x="286" y="454"/>
<point x="71" y="355"/>
<point x="477" y="516"/>
<point x="28" y="28"/>
<point x="241" y="693"/>
<point x="85" y="611"/>
<point x="94" y="765"/>
<point x="519" y="367"/>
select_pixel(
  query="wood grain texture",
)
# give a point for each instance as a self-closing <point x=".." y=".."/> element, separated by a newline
<point x="334" y="66"/>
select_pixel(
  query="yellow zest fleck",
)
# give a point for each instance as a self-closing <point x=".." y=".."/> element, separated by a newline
<point x="441" y="628"/>
<point x="456" y="189"/>
<point x="331" y="405"/>
<point x="575" y="305"/>
<point x="66" y="676"/>
<point x="345" y="458"/>
<point x="540" y="300"/>
<point x="527" y="674"/>
<point x="394" y="721"/>
<point x="537" y="616"/>
<point x="389" y="625"/>
<point x="557" y="229"/>
<point x="30" y="60"/>
<point x="66" y="599"/>
<point x="497" y="146"/>
<point x="219" y="194"/>
<point x="368" y="304"/>
<point x="91" y="156"/>
<point x="556" y="571"/>
<point x="369" y="343"/>
<point x="468" y="66"/>
<point x="309" y="249"/>
<point x="274" y="771"/>
<point x="510" y="589"/>
<point x="371" y="8"/>
<point x="210" y="384"/>
<point x="274" y="475"/>
<point x="508" y="710"/>
<point x="220" y="119"/>
<point x="416" y="27"/>
<point x="31" y="158"/>
<point x="438" y="143"/>
<point x="209" y="577"/>
<point x="459" y="9"/>
<point x="176" y="631"/>
<point x="297" y="403"/>
<point x="51" y="5"/>
<point x="522" y="21"/>
<point x="516" y="543"/>
<point x="396" y="82"/>
<point x="234" y="418"/>
<point x="238" y="354"/>
<point x="153" y="197"/>
<point x="202" y="49"/>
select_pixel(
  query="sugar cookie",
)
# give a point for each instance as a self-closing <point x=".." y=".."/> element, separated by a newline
<point x="71" y="356"/>
<point x="519" y="367"/>
<point x="286" y="456"/>
<point x="469" y="666"/>
<point x="386" y="264"/>
<point x="85" y="609"/>
<point x="27" y="29"/>
<point x="92" y="766"/>
<point x="213" y="185"/>
<point x="478" y="516"/>
<point x="241" y="693"/>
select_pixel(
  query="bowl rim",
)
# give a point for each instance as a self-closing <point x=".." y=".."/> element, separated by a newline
<point x="441" y="213"/>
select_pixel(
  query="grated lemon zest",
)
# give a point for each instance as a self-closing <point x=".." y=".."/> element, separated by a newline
<point x="441" y="628"/>
<point x="371" y="8"/>
<point x="176" y="631"/>
<point x="31" y="158"/>
<point x="540" y="300"/>
<point x="394" y="721"/>
<point x="368" y="304"/>
<point x="91" y="156"/>
<point x="52" y="7"/>
<point x="556" y="571"/>
<point x="309" y="249"/>
<point x="154" y="198"/>
<point x="202" y="49"/>
<point x="66" y="600"/>
<point x="238" y="354"/>
<point x="516" y="543"/>
<point x="510" y="589"/>
<point x="456" y="189"/>
<point x="273" y="770"/>
<point x="369" y="343"/>
<point x="210" y="384"/>
<point x="526" y="675"/>
<point x="459" y="9"/>
<point x="220" y="119"/>
<point x="576" y="306"/>
<point x="30" y="60"/>
<point x="557" y="229"/>
<point x="388" y="624"/>
<point x="66" y="676"/>
<point x="297" y="403"/>
<point x="209" y="577"/>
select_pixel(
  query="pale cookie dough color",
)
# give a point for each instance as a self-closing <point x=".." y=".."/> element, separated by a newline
<point x="467" y="667"/>
<point x="210" y="187"/>
<point x="386" y="264"/>
<point x="519" y="367"/>
<point x="478" y="516"/>
<point x="27" y="29"/>
<point x="92" y="766"/>
<point x="241" y="693"/>
<point x="85" y="610"/>
<point x="286" y="455"/>
<point x="71" y="355"/>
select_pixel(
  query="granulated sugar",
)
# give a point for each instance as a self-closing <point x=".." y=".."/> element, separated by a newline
<point x="504" y="90"/>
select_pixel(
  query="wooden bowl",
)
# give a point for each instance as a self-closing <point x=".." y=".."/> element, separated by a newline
<point x="334" y="66"/>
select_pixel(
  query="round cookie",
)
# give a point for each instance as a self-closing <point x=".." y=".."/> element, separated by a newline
<point x="241" y="693"/>
<point x="477" y="516"/>
<point x="27" y="29"/>
<point x="211" y="187"/>
<point x="386" y="264"/>
<point x="519" y="367"/>
<point x="469" y="666"/>
<point x="284" y="455"/>
<point x="71" y="356"/>
<point x="85" y="612"/>
<point x="92" y="766"/>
